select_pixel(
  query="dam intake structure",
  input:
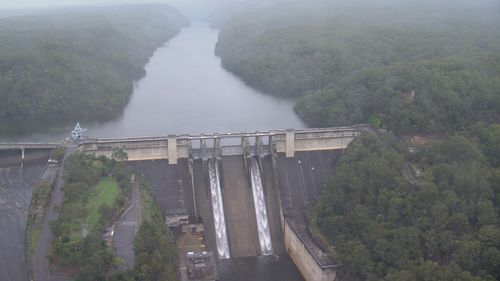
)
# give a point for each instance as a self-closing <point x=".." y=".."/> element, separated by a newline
<point x="266" y="247"/>
<point x="218" y="210"/>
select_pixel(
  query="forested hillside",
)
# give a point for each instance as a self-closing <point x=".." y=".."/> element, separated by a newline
<point x="78" y="63"/>
<point x="431" y="96"/>
<point x="349" y="59"/>
<point x="442" y="225"/>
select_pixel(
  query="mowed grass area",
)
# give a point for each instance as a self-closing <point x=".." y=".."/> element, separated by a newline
<point x="86" y="214"/>
<point x="35" y="237"/>
<point x="105" y="192"/>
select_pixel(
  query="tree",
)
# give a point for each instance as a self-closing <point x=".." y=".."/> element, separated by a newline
<point x="443" y="227"/>
<point x="119" y="154"/>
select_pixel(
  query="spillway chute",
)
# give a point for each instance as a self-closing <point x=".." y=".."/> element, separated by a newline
<point x="218" y="210"/>
<point x="260" y="209"/>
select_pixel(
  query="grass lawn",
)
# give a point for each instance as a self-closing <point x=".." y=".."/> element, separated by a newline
<point x="35" y="236"/>
<point x="105" y="192"/>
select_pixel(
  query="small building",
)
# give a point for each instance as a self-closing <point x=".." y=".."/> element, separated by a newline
<point x="409" y="96"/>
<point x="193" y="228"/>
<point x="201" y="266"/>
<point x="176" y="217"/>
<point x="108" y="234"/>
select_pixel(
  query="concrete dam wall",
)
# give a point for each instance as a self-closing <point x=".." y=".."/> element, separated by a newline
<point x="250" y="197"/>
<point x="171" y="184"/>
<point x="300" y="181"/>
<point x="250" y="190"/>
<point x="28" y="156"/>
<point x="16" y="187"/>
<point x="289" y="186"/>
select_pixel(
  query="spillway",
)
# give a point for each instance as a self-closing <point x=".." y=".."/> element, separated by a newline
<point x="260" y="209"/>
<point x="218" y="210"/>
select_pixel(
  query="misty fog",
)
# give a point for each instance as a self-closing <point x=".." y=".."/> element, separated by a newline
<point x="414" y="83"/>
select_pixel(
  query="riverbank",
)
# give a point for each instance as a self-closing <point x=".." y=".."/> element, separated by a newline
<point x="82" y="70"/>
<point x="185" y="90"/>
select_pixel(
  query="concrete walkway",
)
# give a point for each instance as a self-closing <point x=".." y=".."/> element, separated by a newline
<point x="41" y="271"/>
<point x="126" y="228"/>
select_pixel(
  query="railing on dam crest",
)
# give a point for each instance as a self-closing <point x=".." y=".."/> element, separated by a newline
<point x="205" y="146"/>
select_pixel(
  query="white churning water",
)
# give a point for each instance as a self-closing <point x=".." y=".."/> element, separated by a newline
<point x="218" y="210"/>
<point x="260" y="209"/>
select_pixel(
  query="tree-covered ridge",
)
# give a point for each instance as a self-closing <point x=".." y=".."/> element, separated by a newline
<point x="327" y="47"/>
<point x="444" y="226"/>
<point x="78" y="63"/>
<point x="440" y="95"/>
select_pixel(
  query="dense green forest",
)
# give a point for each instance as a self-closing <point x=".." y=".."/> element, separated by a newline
<point x="431" y="96"/>
<point x="391" y="211"/>
<point x="441" y="225"/>
<point x="78" y="64"/>
<point x="410" y="66"/>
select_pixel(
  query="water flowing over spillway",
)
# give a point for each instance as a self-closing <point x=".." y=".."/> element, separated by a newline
<point x="260" y="209"/>
<point x="218" y="210"/>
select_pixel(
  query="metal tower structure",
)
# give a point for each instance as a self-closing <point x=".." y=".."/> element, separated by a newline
<point x="77" y="133"/>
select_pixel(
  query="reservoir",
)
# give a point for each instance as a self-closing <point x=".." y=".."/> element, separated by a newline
<point x="185" y="90"/>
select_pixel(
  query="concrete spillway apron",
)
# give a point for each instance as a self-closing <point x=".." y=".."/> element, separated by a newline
<point x="260" y="209"/>
<point x="218" y="210"/>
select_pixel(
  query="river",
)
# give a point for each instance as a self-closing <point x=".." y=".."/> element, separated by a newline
<point x="185" y="90"/>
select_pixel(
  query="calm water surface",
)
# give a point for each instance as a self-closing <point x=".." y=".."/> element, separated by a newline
<point x="187" y="91"/>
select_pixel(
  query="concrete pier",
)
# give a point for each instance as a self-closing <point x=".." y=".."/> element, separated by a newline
<point x="203" y="201"/>
<point x="172" y="149"/>
<point x="240" y="212"/>
<point x="290" y="143"/>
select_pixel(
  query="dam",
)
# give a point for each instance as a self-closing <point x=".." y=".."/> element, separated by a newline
<point x="250" y="190"/>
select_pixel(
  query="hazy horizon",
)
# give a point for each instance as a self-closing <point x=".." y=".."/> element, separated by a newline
<point x="196" y="5"/>
<point x="30" y="4"/>
<point x="34" y="4"/>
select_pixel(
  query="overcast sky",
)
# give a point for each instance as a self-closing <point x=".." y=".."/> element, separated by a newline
<point x="16" y="4"/>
